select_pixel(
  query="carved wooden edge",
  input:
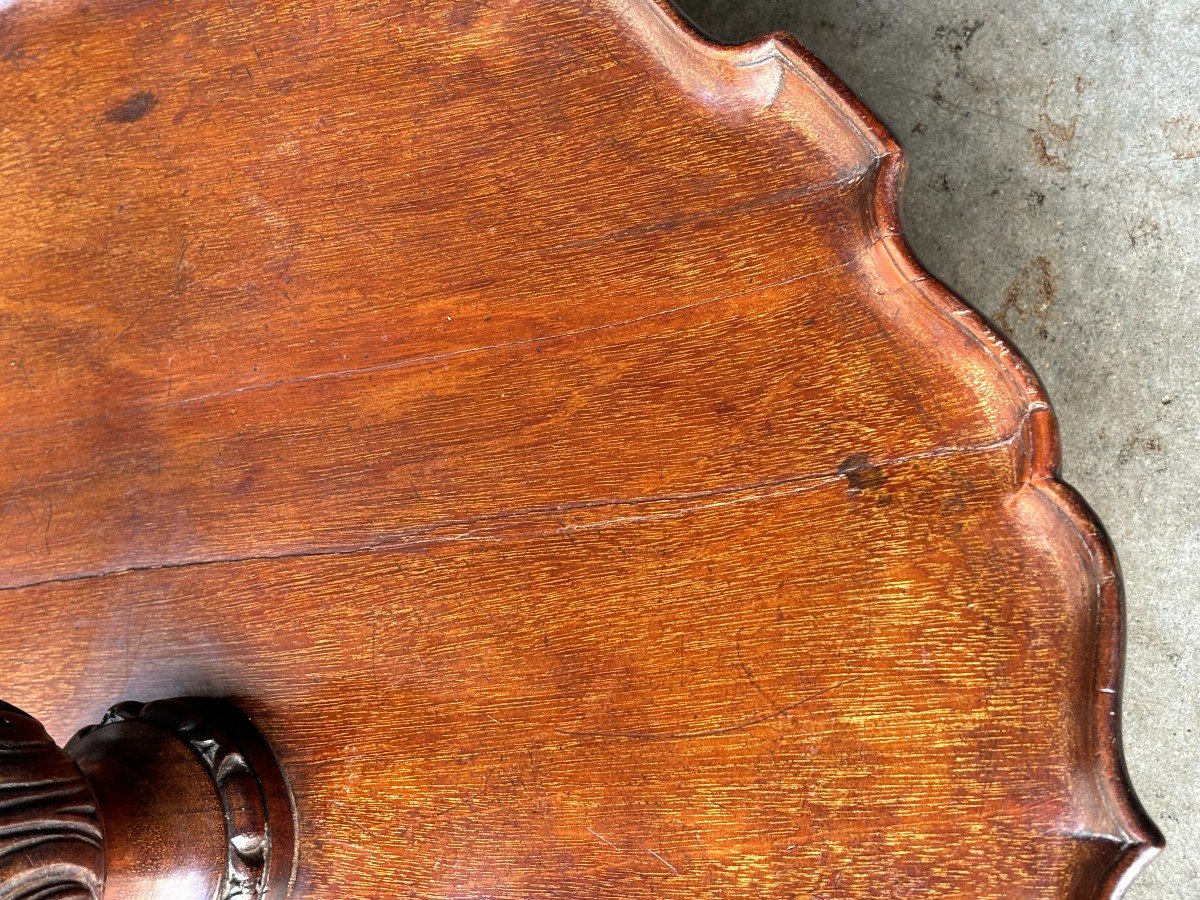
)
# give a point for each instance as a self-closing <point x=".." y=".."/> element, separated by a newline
<point x="51" y="840"/>
<point x="1039" y="444"/>
<point x="256" y="801"/>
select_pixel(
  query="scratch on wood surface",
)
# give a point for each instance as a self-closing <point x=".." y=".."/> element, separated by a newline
<point x="745" y="670"/>
<point x="844" y="182"/>
<point x="181" y="269"/>
<point x="423" y="359"/>
<point x="49" y="522"/>
<point x="601" y="837"/>
<point x="674" y="871"/>
<point x="711" y="732"/>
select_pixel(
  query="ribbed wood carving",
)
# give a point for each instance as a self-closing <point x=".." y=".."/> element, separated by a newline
<point x="51" y="844"/>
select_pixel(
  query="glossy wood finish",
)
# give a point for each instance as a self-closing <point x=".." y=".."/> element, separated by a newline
<point x="172" y="800"/>
<point x="530" y="414"/>
<point x="51" y="842"/>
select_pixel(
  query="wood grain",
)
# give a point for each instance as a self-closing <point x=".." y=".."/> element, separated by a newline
<point x="530" y="414"/>
<point x="51" y="842"/>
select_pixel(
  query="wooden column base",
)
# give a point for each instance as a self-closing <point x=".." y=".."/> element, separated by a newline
<point x="192" y="802"/>
<point x="171" y="800"/>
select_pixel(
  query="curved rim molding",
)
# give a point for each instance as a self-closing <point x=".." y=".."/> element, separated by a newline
<point x="1041" y="467"/>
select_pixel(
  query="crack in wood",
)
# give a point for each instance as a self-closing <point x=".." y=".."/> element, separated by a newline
<point x="492" y="526"/>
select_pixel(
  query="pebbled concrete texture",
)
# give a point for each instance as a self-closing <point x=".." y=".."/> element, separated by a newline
<point x="1054" y="153"/>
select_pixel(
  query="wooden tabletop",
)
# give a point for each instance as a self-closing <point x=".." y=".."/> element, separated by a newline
<point x="529" y="414"/>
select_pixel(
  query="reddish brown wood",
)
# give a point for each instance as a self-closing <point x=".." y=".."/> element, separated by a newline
<point x="530" y="414"/>
<point x="51" y="842"/>
<point x="173" y="800"/>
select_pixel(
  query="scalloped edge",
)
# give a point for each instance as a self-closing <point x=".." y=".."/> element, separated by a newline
<point x="1041" y="467"/>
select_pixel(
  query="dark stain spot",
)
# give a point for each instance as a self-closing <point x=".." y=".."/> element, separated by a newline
<point x="1056" y="131"/>
<point x="1139" y="445"/>
<point x="1145" y="230"/>
<point x="1031" y="294"/>
<point x="14" y="55"/>
<point x="919" y="128"/>
<point x="1037" y="198"/>
<point x="12" y="50"/>
<point x="1042" y="150"/>
<point x="953" y="505"/>
<point x="958" y="38"/>
<point x="464" y="13"/>
<point x="1183" y="138"/>
<point x="131" y="108"/>
<point x="860" y="474"/>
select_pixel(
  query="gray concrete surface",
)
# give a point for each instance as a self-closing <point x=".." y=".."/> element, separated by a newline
<point x="1055" y="184"/>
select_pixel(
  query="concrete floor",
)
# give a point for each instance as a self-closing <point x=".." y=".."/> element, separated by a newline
<point x="1055" y="184"/>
